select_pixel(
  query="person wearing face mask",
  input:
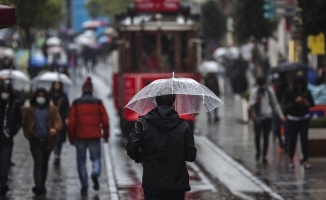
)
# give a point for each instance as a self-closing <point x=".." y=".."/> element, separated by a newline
<point x="41" y="123"/>
<point x="10" y="123"/>
<point x="59" y="98"/>
<point x="264" y="104"/>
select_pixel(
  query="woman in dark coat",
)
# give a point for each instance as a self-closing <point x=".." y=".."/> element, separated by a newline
<point x="59" y="98"/>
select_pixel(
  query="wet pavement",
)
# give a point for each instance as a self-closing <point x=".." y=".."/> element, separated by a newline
<point x="237" y="140"/>
<point x="225" y="167"/>
<point x="62" y="182"/>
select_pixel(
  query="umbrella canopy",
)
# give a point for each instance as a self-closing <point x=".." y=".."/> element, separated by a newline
<point x="38" y="60"/>
<point x="14" y="74"/>
<point x="20" y="80"/>
<point x="51" y="77"/>
<point x="234" y="53"/>
<point x="190" y="95"/>
<point x="210" y="67"/>
<point x="220" y="52"/>
<point x="288" y="67"/>
<point x="53" y="41"/>
<point x="8" y="52"/>
<point x="54" y="50"/>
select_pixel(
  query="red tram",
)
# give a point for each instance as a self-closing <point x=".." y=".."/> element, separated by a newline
<point x="156" y="38"/>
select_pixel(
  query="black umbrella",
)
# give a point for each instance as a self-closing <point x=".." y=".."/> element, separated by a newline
<point x="288" y="67"/>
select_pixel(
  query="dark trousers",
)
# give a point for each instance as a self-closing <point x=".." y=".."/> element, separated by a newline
<point x="277" y="123"/>
<point x="41" y="154"/>
<point x="160" y="194"/>
<point x="57" y="149"/>
<point x="295" y="128"/>
<point x="262" y="127"/>
<point x="5" y="156"/>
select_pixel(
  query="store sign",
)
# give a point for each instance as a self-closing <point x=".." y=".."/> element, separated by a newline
<point x="316" y="44"/>
<point x="157" y="5"/>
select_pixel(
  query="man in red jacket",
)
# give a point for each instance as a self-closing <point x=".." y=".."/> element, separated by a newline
<point x="87" y="120"/>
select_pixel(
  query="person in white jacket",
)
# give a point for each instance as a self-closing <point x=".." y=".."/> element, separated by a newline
<point x="264" y="104"/>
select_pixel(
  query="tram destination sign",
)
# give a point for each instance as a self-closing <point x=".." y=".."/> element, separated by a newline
<point x="157" y="5"/>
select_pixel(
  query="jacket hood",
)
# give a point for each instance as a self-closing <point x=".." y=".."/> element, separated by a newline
<point x="46" y="94"/>
<point x="164" y="118"/>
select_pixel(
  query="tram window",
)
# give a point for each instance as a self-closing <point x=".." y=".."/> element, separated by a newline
<point x="184" y="49"/>
<point x="168" y="54"/>
<point x="150" y="58"/>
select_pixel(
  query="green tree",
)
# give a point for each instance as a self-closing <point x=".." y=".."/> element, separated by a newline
<point x="313" y="16"/>
<point x="40" y="14"/>
<point x="250" y="22"/>
<point x="104" y="8"/>
<point x="213" y="21"/>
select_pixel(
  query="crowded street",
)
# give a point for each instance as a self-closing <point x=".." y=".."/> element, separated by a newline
<point x="225" y="167"/>
<point x="162" y="100"/>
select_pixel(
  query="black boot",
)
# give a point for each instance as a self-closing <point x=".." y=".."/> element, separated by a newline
<point x="56" y="162"/>
<point x="96" y="183"/>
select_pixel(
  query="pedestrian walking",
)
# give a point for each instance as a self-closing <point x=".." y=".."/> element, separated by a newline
<point x="297" y="101"/>
<point x="212" y="83"/>
<point x="10" y="123"/>
<point x="59" y="99"/>
<point x="86" y="122"/>
<point x="162" y="142"/>
<point x="264" y="104"/>
<point x="239" y="82"/>
<point x="41" y="122"/>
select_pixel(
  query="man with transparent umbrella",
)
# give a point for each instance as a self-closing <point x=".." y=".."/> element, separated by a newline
<point x="162" y="142"/>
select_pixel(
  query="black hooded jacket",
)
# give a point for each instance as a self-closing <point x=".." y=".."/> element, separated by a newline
<point x="163" y="142"/>
<point x="14" y="115"/>
<point x="293" y="108"/>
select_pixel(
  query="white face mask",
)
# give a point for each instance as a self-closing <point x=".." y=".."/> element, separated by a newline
<point x="4" y="96"/>
<point x="40" y="100"/>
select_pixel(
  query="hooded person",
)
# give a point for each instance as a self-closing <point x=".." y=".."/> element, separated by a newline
<point x="59" y="99"/>
<point x="88" y="122"/>
<point x="162" y="142"/>
<point x="10" y="123"/>
<point x="41" y="123"/>
<point x="297" y="101"/>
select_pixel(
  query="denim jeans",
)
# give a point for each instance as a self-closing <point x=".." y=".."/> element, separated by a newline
<point x="94" y="146"/>
<point x="40" y="154"/>
<point x="5" y="155"/>
<point x="57" y="149"/>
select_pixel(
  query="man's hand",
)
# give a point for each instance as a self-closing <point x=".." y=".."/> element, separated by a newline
<point x="283" y="119"/>
<point x="299" y="99"/>
<point x="53" y="131"/>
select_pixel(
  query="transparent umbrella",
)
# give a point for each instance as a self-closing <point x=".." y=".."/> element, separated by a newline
<point x="190" y="96"/>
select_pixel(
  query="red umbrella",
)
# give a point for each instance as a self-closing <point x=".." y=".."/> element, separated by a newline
<point x="94" y="24"/>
